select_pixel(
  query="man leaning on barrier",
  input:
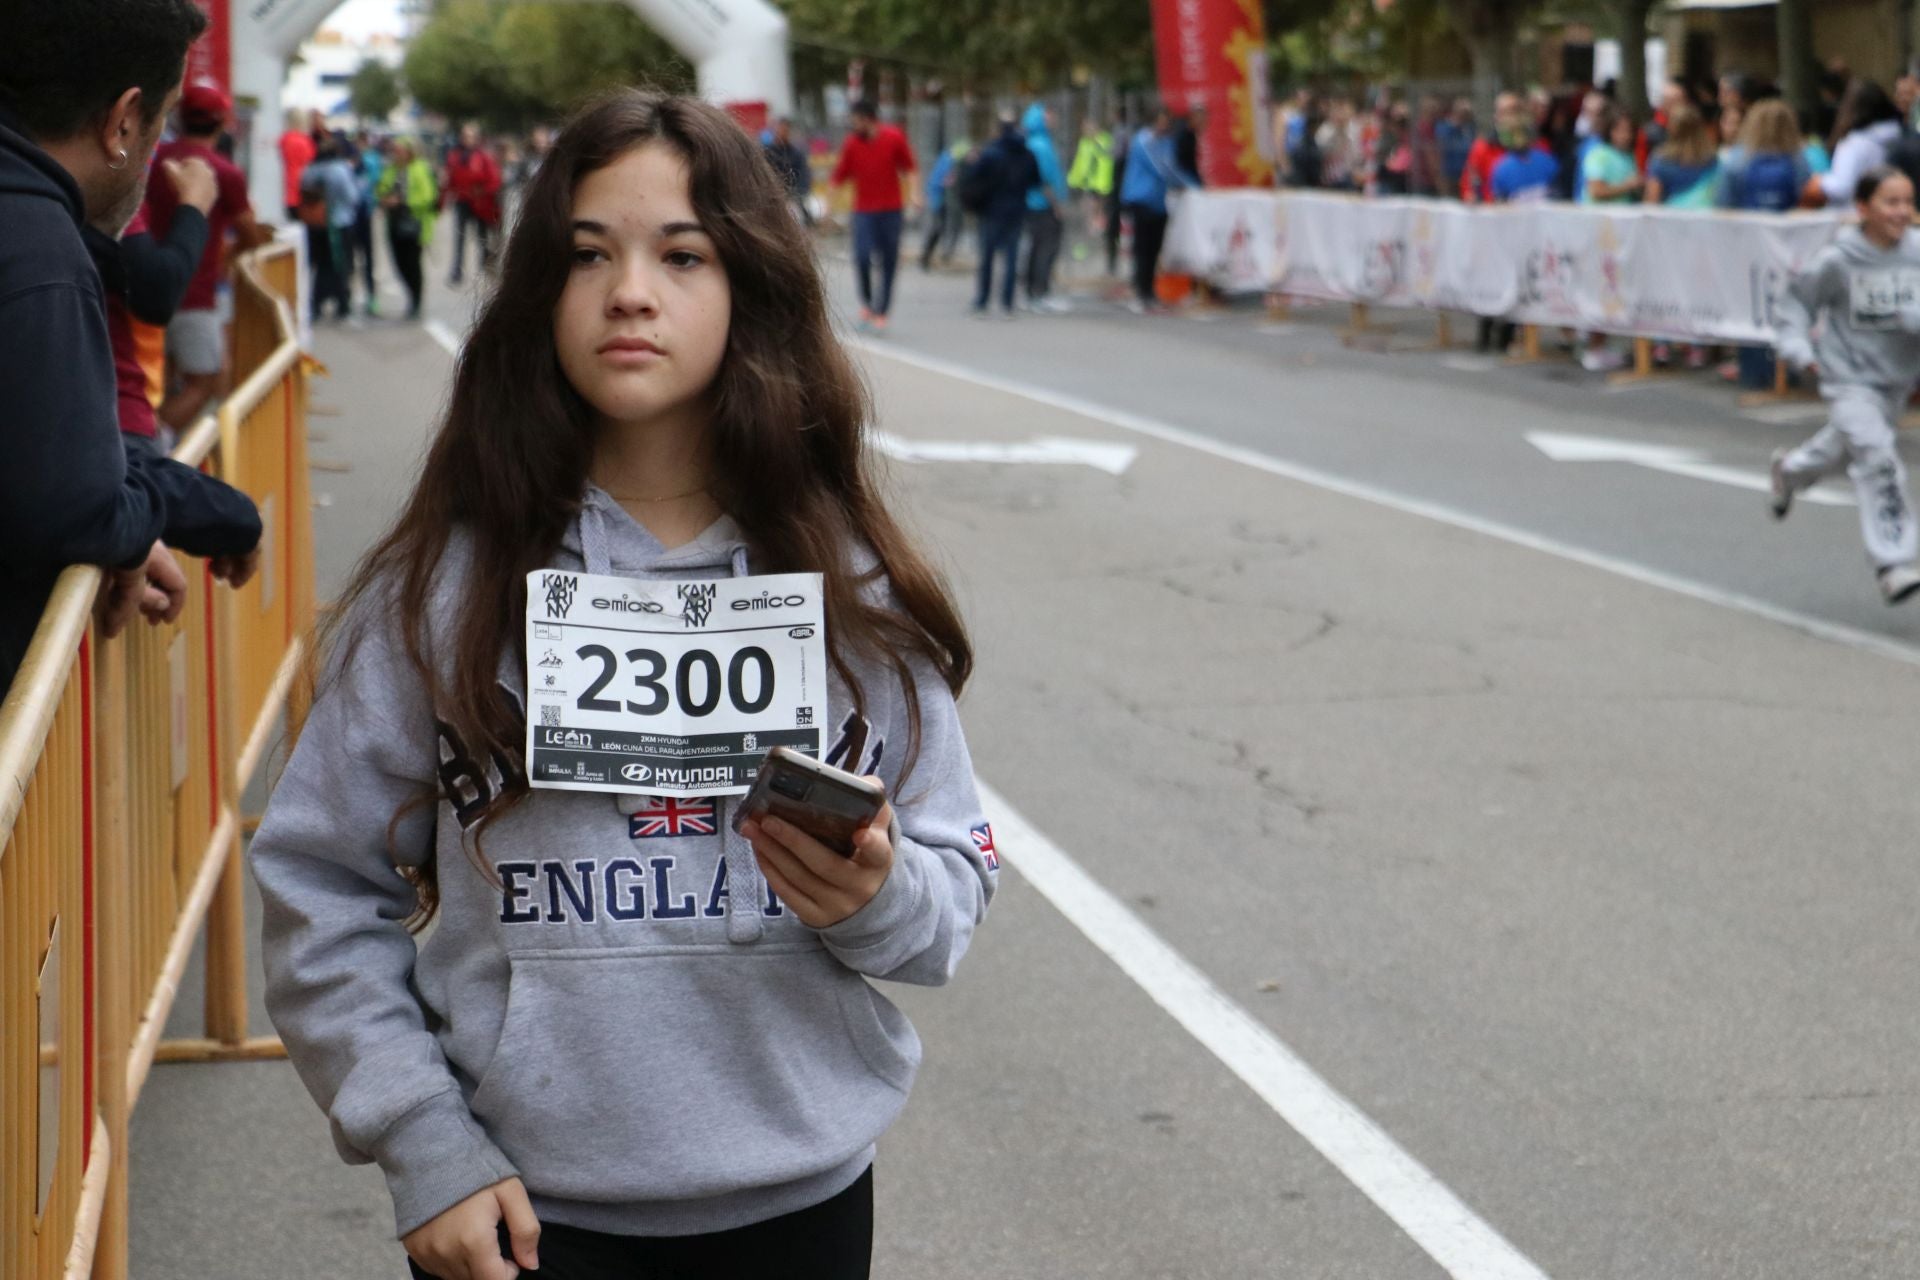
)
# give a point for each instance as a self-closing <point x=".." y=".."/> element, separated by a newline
<point x="85" y="86"/>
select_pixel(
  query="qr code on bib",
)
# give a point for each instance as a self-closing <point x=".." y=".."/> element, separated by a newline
<point x="550" y="715"/>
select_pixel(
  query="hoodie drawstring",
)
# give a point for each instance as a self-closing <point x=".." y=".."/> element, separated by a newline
<point x="593" y="539"/>
<point x="745" y="885"/>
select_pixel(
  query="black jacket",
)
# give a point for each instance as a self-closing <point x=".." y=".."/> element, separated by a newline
<point x="68" y="494"/>
<point x="1014" y="171"/>
<point x="790" y="162"/>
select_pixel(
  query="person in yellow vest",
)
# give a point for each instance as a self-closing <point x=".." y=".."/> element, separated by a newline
<point x="1091" y="181"/>
<point x="411" y="212"/>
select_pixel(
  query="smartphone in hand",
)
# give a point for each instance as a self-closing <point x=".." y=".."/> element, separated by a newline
<point x="828" y="804"/>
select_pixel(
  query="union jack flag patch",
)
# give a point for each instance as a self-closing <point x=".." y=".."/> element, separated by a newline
<point x="983" y="841"/>
<point x="668" y="816"/>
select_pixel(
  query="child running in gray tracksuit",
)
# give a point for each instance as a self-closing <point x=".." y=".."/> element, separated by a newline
<point x="1864" y="290"/>
<point x="638" y="1042"/>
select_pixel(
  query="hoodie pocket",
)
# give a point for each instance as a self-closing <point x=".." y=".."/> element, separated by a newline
<point x="636" y="1076"/>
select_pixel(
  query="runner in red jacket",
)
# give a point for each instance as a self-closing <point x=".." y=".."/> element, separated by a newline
<point x="877" y="160"/>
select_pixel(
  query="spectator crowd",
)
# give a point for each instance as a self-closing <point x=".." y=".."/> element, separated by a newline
<point x="1733" y="144"/>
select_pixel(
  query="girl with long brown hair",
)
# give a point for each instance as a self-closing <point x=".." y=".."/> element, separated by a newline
<point x="637" y="1041"/>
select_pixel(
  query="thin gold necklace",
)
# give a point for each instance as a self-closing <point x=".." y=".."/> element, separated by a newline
<point x="671" y="497"/>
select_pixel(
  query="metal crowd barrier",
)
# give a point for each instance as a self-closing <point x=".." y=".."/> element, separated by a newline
<point x="122" y="766"/>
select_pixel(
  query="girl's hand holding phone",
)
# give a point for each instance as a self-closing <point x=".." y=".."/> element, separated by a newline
<point x="463" y="1243"/>
<point x="818" y="885"/>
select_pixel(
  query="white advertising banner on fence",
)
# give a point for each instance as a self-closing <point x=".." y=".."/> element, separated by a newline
<point x="1654" y="273"/>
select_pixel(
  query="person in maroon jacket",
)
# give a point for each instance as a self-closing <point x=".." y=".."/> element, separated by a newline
<point x="473" y="182"/>
<point x="197" y="337"/>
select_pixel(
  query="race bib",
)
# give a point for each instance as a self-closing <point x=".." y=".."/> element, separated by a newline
<point x="1878" y="297"/>
<point x="670" y="688"/>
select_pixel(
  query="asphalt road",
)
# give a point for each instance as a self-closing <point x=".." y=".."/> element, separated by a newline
<point x="1582" y="881"/>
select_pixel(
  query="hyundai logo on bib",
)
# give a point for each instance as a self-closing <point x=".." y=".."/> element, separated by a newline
<point x="704" y="776"/>
<point x="636" y="773"/>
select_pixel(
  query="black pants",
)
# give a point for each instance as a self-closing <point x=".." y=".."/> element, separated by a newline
<point x="330" y="250"/>
<point x="406" y="260"/>
<point x="363" y="249"/>
<point x="943" y="228"/>
<point x="831" y="1241"/>
<point x="464" y="217"/>
<point x="1149" y="233"/>
<point x="1113" y="235"/>
<point x="999" y="238"/>
<point x="1043" y="249"/>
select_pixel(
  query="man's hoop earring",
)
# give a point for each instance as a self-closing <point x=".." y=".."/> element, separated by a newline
<point x="124" y="157"/>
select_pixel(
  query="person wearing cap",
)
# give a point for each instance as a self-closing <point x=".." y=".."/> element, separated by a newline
<point x="196" y="340"/>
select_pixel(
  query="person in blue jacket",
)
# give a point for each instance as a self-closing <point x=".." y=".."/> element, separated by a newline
<point x="1045" y="199"/>
<point x="945" y="218"/>
<point x="1152" y="171"/>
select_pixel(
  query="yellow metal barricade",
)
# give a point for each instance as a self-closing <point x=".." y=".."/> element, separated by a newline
<point x="122" y="764"/>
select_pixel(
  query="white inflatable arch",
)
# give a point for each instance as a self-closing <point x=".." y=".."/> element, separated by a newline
<point x="739" y="48"/>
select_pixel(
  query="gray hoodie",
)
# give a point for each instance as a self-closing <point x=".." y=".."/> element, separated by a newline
<point x="628" y="1021"/>
<point x="1870" y="298"/>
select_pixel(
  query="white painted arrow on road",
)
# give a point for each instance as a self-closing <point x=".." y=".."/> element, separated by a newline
<point x="1670" y="459"/>
<point x="1113" y="459"/>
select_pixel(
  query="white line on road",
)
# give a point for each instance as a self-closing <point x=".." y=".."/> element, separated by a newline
<point x="438" y="331"/>
<point x="1672" y="459"/>
<point x="1421" y="1205"/>
<point x="1806" y="623"/>
<point x="1114" y="459"/>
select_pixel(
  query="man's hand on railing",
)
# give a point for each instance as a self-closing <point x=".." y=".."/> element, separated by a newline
<point x="157" y="590"/>
<point x="236" y="571"/>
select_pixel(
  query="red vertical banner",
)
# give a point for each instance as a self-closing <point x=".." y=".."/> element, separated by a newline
<point x="1213" y="54"/>
<point x="211" y="57"/>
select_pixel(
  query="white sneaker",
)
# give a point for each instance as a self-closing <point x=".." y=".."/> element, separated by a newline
<point x="1053" y="306"/>
<point x="1602" y="360"/>
<point x="1782" y="491"/>
<point x="1897" y="582"/>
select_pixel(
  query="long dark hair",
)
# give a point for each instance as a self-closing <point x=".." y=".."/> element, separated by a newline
<point x="1865" y="104"/>
<point x="509" y="463"/>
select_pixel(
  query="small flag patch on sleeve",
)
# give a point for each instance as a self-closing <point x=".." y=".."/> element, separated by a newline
<point x="983" y="841"/>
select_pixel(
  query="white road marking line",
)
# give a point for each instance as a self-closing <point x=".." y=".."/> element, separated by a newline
<point x="1673" y="459"/>
<point x="1807" y="624"/>
<point x="1437" y="1220"/>
<point x="438" y="331"/>
<point x="1788" y="413"/>
<point x="1114" y="459"/>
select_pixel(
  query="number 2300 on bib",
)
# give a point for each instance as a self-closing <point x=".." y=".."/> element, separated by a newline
<point x="670" y="688"/>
